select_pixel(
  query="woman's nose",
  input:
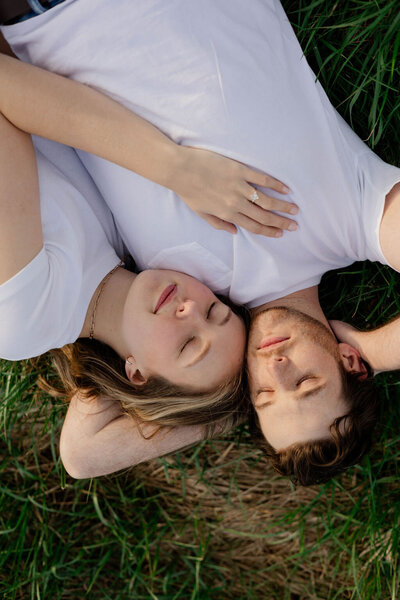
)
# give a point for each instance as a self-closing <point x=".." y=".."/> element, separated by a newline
<point x="185" y="308"/>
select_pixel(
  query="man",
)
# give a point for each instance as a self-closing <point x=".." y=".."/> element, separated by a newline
<point x="272" y="116"/>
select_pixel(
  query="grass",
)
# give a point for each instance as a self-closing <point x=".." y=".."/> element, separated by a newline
<point x="215" y="521"/>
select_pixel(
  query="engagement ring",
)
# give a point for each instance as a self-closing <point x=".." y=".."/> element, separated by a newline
<point x="254" y="197"/>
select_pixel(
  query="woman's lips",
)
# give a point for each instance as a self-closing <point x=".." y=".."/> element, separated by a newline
<point x="165" y="297"/>
<point x="271" y="341"/>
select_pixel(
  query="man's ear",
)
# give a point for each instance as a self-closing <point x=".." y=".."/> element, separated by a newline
<point x="134" y="375"/>
<point x="352" y="361"/>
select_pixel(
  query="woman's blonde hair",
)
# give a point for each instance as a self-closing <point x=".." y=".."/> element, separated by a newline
<point x="95" y="369"/>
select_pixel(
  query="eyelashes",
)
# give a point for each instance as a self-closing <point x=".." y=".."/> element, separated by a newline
<point x="305" y="378"/>
<point x="210" y="309"/>
<point x="186" y="344"/>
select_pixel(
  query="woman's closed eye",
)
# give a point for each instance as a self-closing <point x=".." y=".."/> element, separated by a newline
<point x="210" y="310"/>
<point x="187" y="344"/>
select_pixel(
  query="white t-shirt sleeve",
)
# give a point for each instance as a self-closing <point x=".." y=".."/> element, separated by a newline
<point x="45" y="304"/>
<point x="34" y="310"/>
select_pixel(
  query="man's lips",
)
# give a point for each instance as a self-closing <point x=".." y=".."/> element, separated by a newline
<point x="271" y="341"/>
<point x="165" y="297"/>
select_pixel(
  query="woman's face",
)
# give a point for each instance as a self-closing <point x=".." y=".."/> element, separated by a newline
<point x="175" y="327"/>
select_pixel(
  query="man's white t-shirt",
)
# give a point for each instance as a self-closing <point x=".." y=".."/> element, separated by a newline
<point x="228" y="76"/>
<point x="44" y="305"/>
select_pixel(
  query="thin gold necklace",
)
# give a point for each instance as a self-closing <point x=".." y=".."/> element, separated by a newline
<point x="102" y="286"/>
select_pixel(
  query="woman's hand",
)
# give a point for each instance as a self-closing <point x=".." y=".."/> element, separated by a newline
<point x="219" y="190"/>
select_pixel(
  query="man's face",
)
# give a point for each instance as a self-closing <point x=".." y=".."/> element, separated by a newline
<point x="294" y="376"/>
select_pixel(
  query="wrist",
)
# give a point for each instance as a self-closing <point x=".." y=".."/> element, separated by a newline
<point x="175" y="164"/>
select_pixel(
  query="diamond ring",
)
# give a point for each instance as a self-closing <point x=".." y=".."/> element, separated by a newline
<point x="254" y="197"/>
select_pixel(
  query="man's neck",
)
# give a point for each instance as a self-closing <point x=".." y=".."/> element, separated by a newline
<point x="305" y="301"/>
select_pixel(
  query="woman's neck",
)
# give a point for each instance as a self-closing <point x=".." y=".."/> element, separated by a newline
<point x="106" y="306"/>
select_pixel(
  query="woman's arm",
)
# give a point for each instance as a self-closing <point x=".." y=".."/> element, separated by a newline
<point x="215" y="187"/>
<point x="97" y="438"/>
<point x="20" y="220"/>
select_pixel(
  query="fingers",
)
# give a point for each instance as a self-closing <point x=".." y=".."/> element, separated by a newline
<point x="257" y="227"/>
<point x="219" y="223"/>
<point x="268" y="203"/>
<point x="264" y="180"/>
<point x="265" y="217"/>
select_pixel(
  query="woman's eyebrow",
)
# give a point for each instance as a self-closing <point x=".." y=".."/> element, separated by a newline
<point x="200" y="356"/>
<point x="206" y="348"/>
<point x="226" y="319"/>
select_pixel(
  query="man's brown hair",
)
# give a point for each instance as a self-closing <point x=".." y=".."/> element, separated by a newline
<point x="351" y="437"/>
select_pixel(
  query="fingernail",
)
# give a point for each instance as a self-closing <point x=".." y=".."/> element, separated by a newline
<point x="292" y="227"/>
<point x="294" y="210"/>
<point x="279" y="234"/>
<point x="285" y="189"/>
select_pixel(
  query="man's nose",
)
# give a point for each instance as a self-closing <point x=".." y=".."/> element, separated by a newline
<point x="278" y="365"/>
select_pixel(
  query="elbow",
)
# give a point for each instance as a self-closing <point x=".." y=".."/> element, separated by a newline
<point x="74" y="466"/>
<point x="76" y="461"/>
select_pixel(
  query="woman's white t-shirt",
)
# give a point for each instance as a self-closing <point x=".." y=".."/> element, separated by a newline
<point x="44" y="305"/>
<point x="228" y="76"/>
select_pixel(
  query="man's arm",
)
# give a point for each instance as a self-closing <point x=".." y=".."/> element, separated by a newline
<point x="97" y="438"/>
<point x="379" y="347"/>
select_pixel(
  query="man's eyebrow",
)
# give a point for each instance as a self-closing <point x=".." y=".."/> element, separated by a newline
<point x="301" y="396"/>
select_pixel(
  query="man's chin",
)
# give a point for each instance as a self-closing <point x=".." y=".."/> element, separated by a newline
<point x="294" y="322"/>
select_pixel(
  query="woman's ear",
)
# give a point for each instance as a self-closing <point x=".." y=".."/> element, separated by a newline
<point x="134" y="375"/>
<point x="352" y="361"/>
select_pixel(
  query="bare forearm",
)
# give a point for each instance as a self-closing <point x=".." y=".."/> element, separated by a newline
<point x="52" y="106"/>
<point x="382" y="346"/>
<point x="97" y="439"/>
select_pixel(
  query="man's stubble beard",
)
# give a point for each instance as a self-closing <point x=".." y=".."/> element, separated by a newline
<point x="305" y="325"/>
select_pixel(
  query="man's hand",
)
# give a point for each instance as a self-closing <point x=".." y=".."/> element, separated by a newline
<point x="219" y="190"/>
